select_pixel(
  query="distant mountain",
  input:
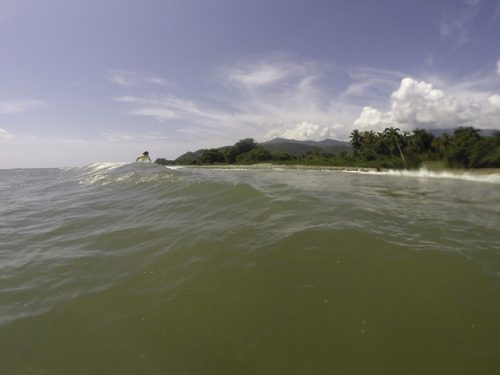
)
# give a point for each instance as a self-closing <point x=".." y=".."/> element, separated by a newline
<point x="189" y="156"/>
<point x="294" y="147"/>
<point x="290" y="146"/>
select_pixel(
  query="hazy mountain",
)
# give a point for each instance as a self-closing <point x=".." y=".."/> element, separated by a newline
<point x="290" y="146"/>
<point x="189" y="156"/>
<point x="294" y="147"/>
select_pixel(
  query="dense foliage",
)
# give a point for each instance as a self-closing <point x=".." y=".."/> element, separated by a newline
<point x="464" y="149"/>
<point x="388" y="149"/>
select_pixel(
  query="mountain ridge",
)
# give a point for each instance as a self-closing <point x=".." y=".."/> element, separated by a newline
<point x="291" y="146"/>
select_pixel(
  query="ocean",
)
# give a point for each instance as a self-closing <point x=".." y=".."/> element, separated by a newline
<point x="139" y="268"/>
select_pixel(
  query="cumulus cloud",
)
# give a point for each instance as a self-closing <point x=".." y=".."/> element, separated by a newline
<point x="421" y="104"/>
<point x="304" y="131"/>
<point x="417" y="105"/>
<point x="373" y="119"/>
<point x="494" y="102"/>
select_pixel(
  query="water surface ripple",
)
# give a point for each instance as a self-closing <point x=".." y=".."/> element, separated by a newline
<point x="140" y="269"/>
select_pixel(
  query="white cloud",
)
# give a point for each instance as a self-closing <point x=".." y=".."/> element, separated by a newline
<point x="129" y="78"/>
<point x="4" y="134"/>
<point x="161" y="114"/>
<point x="130" y="99"/>
<point x="498" y="66"/>
<point x="455" y="26"/>
<point x="169" y="107"/>
<point x="420" y="104"/>
<point x="201" y="120"/>
<point x="373" y="119"/>
<point x="132" y="137"/>
<point x="157" y="81"/>
<point x="265" y="73"/>
<point x="18" y="106"/>
<point x="304" y="131"/>
<point x="261" y="75"/>
<point x="262" y="94"/>
<point x="165" y="108"/>
<point x="371" y="83"/>
<point x="272" y="99"/>
<point x="263" y="100"/>
<point x="120" y="78"/>
<point x="417" y="105"/>
<point x="494" y="102"/>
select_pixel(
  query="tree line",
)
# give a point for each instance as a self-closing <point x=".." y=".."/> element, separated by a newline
<point x="465" y="148"/>
<point x="248" y="151"/>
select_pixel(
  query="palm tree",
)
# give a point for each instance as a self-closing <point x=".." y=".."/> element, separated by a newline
<point x="393" y="139"/>
<point x="443" y="143"/>
<point x="370" y="139"/>
<point x="421" y="141"/>
<point x="356" y="141"/>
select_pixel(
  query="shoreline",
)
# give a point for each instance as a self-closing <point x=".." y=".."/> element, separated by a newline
<point x="283" y="166"/>
<point x="264" y="166"/>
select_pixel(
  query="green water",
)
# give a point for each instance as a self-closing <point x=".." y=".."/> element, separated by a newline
<point x="127" y="269"/>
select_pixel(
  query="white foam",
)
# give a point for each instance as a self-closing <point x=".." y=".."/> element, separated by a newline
<point x="475" y="175"/>
<point x="102" y="166"/>
<point x="175" y="166"/>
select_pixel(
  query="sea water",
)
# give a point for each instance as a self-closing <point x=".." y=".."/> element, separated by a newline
<point x="143" y="269"/>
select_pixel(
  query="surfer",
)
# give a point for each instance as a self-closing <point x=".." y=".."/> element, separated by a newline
<point x="144" y="156"/>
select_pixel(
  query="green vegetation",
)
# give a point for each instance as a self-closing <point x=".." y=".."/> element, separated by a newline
<point x="464" y="149"/>
<point x="388" y="149"/>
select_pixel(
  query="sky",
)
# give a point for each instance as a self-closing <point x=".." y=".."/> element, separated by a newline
<point x="84" y="82"/>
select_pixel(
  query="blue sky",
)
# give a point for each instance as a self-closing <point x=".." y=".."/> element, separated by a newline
<point x="104" y="80"/>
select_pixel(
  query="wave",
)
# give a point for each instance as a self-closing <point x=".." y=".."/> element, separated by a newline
<point x="488" y="176"/>
<point x="108" y="173"/>
<point x="152" y="176"/>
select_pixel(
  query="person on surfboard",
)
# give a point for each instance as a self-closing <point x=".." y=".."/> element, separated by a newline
<point x="144" y="156"/>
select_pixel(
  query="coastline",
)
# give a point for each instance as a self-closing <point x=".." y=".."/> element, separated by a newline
<point x="282" y="166"/>
<point x="263" y="166"/>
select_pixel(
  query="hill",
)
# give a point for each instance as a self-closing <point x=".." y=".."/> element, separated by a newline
<point x="298" y="148"/>
<point x="290" y="146"/>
